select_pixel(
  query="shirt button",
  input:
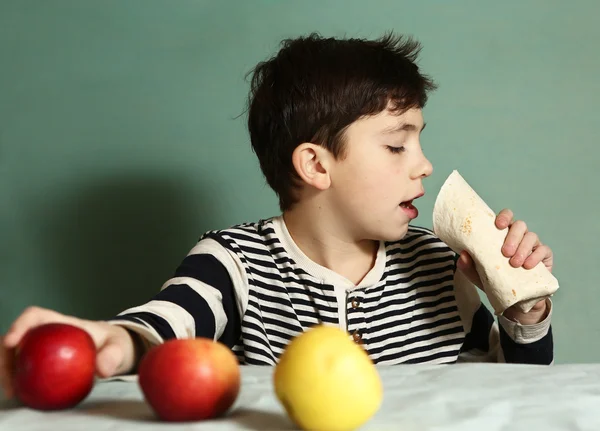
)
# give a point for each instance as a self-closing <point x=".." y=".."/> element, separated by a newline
<point x="357" y="337"/>
<point x="355" y="303"/>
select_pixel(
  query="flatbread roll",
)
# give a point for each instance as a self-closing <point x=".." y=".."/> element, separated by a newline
<point x="465" y="222"/>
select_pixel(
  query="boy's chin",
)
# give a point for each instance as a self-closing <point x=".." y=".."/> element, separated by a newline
<point x="395" y="234"/>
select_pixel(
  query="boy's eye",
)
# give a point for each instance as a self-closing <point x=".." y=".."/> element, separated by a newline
<point x="396" y="150"/>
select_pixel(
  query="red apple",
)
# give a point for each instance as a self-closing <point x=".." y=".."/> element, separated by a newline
<point x="55" y="366"/>
<point x="189" y="379"/>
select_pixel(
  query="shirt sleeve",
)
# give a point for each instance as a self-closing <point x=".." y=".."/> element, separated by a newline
<point x="206" y="297"/>
<point x="501" y="340"/>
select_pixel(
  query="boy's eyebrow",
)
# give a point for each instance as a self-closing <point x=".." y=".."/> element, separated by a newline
<point x="403" y="127"/>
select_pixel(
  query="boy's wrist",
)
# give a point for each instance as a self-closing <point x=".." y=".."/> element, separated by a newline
<point x="139" y="348"/>
<point x="537" y="314"/>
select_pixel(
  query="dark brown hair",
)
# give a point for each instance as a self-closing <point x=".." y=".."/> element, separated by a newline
<point x="315" y="87"/>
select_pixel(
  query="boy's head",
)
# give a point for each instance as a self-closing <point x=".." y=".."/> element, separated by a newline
<point x="315" y="88"/>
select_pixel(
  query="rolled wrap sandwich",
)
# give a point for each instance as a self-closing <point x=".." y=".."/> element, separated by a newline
<point x="465" y="222"/>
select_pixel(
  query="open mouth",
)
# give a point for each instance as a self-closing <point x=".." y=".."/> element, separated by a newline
<point x="409" y="209"/>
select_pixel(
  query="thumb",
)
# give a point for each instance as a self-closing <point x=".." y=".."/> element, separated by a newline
<point x="109" y="358"/>
<point x="464" y="261"/>
<point x="466" y="265"/>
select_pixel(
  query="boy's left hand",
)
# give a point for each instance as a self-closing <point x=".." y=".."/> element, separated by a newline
<point x="524" y="249"/>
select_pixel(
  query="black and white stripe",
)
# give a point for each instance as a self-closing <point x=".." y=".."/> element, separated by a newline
<point x="244" y="288"/>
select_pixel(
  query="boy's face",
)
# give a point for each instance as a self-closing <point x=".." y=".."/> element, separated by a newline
<point x="382" y="172"/>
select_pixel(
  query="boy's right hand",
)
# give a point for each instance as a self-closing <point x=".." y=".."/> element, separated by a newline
<point x="115" y="347"/>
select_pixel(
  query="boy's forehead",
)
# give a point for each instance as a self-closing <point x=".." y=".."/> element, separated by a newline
<point x="412" y="116"/>
<point x="388" y="121"/>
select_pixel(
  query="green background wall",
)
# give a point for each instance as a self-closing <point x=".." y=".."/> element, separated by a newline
<point x="121" y="140"/>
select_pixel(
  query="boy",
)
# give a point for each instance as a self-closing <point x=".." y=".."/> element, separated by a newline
<point x="335" y="124"/>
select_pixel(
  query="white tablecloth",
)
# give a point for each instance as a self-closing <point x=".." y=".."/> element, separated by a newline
<point x="482" y="397"/>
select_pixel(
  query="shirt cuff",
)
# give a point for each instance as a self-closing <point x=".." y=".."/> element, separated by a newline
<point x="525" y="334"/>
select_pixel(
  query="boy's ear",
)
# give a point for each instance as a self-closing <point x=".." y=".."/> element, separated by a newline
<point x="311" y="162"/>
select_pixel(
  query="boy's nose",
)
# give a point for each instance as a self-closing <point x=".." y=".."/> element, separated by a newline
<point x="428" y="169"/>
<point x="424" y="168"/>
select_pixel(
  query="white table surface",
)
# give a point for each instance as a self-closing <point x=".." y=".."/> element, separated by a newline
<point x="482" y="397"/>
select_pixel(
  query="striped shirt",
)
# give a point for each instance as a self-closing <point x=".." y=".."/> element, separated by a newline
<point x="251" y="288"/>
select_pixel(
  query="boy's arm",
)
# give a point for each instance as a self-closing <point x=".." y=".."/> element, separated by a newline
<point x="524" y="343"/>
<point x="205" y="298"/>
<point x="488" y="340"/>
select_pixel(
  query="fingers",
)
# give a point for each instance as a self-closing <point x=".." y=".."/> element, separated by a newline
<point x="529" y="242"/>
<point x="521" y="246"/>
<point x="31" y="317"/>
<point x="541" y="254"/>
<point x="115" y="345"/>
<point x="504" y="218"/>
<point x="515" y="234"/>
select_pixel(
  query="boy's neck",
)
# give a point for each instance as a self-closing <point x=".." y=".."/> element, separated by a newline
<point x="322" y="241"/>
